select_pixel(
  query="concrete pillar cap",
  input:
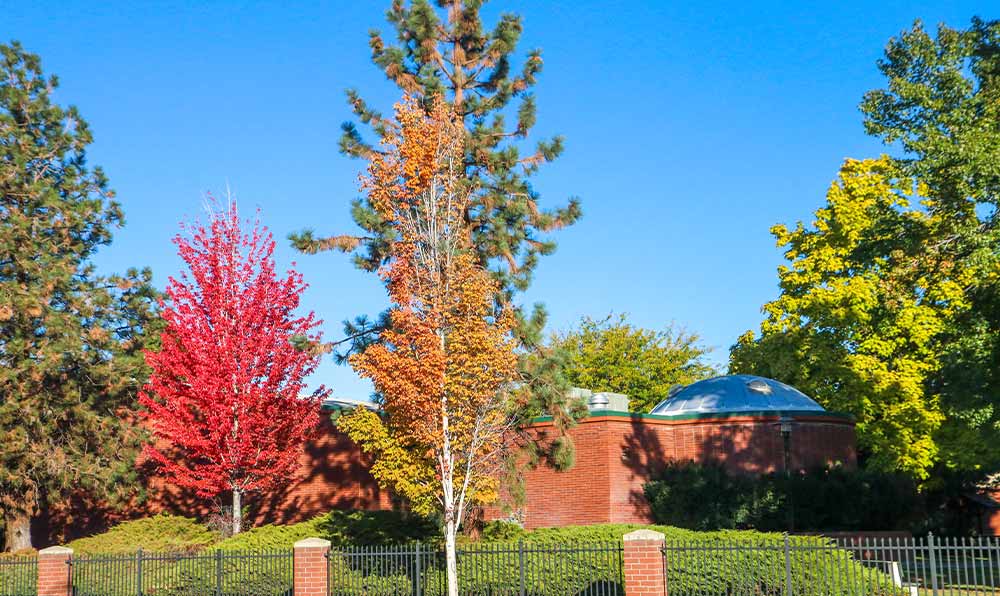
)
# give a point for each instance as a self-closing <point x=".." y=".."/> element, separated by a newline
<point x="644" y="535"/>
<point x="312" y="543"/>
<point x="56" y="550"/>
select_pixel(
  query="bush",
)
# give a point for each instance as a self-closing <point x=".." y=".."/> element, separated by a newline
<point x="183" y="573"/>
<point x="160" y="533"/>
<point x="706" y="497"/>
<point x="18" y="574"/>
<point x="341" y="528"/>
<point x="700" y="497"/>
<point x="501" y="531"/>
<point x="565" y="561"/>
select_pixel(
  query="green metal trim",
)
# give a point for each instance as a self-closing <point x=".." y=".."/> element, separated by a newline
<point x="710" y="415"/>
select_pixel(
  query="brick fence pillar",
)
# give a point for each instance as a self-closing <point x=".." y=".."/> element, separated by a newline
<point x="643" y="564"/>
<point x="53" y="571"/>
<point x="311" y="567"/>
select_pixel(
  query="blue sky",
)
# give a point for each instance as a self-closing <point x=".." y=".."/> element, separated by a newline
<point x="690" y="129"/>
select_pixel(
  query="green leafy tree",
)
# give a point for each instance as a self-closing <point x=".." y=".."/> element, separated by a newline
<point x="890" y="308"/>
<point x="70" y="340"/>
<point x="866" y="302"/>
<point x="613" y="355"/>
<point x="941" y="104"/>
<point x="442" y="49"/>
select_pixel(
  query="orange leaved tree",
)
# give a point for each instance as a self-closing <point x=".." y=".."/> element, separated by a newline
<point x="446" y="365"/>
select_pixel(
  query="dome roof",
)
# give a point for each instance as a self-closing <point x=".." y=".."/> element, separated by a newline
<point x="735" y="393"/>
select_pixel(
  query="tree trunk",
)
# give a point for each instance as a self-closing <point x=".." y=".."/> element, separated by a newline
<point x="451" y="559"/>
<point x="17" y="531"/>
<point x="237" y="511"/>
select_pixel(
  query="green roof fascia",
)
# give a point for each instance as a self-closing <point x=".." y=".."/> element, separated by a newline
<point x="709" y="415"/>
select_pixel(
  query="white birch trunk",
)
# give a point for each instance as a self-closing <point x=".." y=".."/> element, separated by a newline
<point x="237" y="511"/>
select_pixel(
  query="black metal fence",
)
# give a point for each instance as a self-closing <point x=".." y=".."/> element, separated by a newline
<point x="591" y="569"/>
<point x="18" y="576"/>
<point x="814" y="566"/>
<point x="218" y="573"/>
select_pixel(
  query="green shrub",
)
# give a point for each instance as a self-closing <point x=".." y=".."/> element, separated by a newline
<point x="341" y="528"/>
<point x="501" y="531"/>
<point x="709" y="563"/>
<point x="182" y="574"/>
<point x="706" y="497"/>
<point x="680" y="497"/>
<point x="158" y="533"/>
<point x="381" y="578"/>
<point x="18" y="574"/>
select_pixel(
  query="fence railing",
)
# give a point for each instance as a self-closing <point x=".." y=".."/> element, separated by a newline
<point x="814" y="566"/>
<point x="218" y="573"/>
<point x="18" y="576"/>
<point x="590" y="569"/>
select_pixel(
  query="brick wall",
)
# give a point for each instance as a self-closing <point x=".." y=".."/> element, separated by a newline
<point x="616" y="453"/>
<point x="310" y="567"/>
<point x="642" y="564"/>
<point x="614" y="456"/>
<point x="53" y="571"/>
<point x="332" y="474"/>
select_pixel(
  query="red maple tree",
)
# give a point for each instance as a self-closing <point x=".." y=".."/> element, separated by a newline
<point x="225" y="397"/>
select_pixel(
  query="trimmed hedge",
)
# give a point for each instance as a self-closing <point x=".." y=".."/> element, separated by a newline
<point x="558" y="561"/>
<point x="341" y="528"/>
<point x="169" y="533"/>
<point x="158" y="533"/>
<point x="183" y="573"/>
<point x="18" y="574"/>
<point x="587" y="559"/>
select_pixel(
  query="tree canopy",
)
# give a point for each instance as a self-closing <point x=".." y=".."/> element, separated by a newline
<point x="613" y="355"/>
<point x="443" y="51"/>
<point x="445" y="367"/>
<point x="889" y="304"/>
<point x="861" y="314"/>
<point x="449" y="53"/>
<point x="71" y="340"/>
<point x="226" y="398"/>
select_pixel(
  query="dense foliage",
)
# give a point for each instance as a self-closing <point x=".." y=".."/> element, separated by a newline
<point x="613" y="355"/>
<point x="890" y="301"/>
<point x="160" y="533"/>
<point x="558" y="563"/>
<point x="226" y="398"/>
<point x="861" y="315"/>
<point x="70" y="340"/>
<point x="707" y="497"/>
<point x="443" y="51"/>
<point x="171" y="533"/>
<point x="941" y="104"/>
<point x="341" y="528"/>
<point x="445" y="367"/>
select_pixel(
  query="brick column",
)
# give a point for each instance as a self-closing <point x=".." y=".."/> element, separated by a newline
<point x="311" y="567"/>
<point x="53" y="571"/>
<point x="643" y="564"/>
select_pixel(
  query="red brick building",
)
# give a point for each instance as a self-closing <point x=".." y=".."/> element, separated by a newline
<point x="751" y="425"/>
<point x="737" y="420"/>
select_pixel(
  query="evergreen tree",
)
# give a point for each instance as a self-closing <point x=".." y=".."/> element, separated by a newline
<point x="70" y="340"/>
<point x="443" y="50"/>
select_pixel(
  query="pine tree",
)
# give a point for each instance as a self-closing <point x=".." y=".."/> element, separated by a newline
<point x="444" y="51"/>
<point x="70" y="340"/>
